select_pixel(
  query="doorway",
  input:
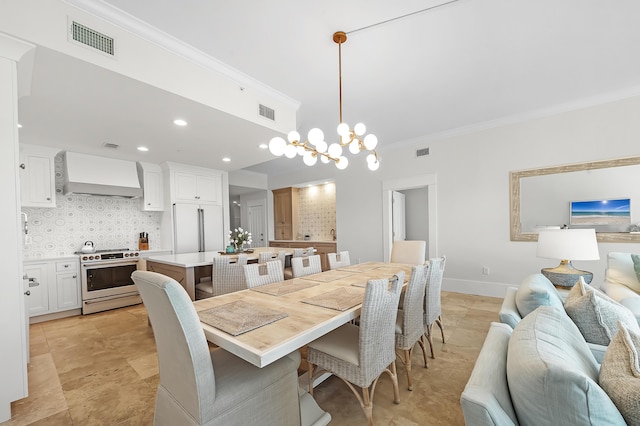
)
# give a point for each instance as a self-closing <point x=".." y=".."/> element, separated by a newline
<point x="423" y="209"/>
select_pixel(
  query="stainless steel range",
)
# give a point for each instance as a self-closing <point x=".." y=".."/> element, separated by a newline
<point x="106" y="280"/>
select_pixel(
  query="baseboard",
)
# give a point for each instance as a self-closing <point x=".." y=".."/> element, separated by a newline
<point x="479" y="288"/>
<point x="55" y="315"/>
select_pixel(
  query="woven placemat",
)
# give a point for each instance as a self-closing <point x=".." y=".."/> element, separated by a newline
<point x="325" y="277"/>
<point x="239" y="317"/>
<point x="285" y="287"/>
<point x="339" y="299"/>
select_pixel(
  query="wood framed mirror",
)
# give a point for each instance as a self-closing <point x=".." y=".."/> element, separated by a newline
<point x="571" y="182"/>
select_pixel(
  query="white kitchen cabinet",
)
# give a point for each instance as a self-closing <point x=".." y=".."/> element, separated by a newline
<point x="197" y="188"/>
<point x="151" y="177"/>
<point x="37" y="176"/>
<point x="38" y="298"/>
<point x="58" y="286"/>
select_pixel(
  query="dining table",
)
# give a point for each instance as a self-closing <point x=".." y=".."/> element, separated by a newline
<point x="264" y="324"/>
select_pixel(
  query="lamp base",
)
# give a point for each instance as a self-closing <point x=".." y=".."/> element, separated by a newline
<point x="565" y="275"/>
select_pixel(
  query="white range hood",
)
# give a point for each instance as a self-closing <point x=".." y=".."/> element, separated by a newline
<point x="93" y="175"/>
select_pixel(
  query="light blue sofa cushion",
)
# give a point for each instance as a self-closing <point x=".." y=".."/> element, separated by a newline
<point x="553" y="376"/>
<point x="534" y="291"/>
<point x="485" y="400"/>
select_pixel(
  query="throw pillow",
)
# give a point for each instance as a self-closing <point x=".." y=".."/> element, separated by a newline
<point x="636" y="265"/>
<point x="534" y="291"/>
<point x="620" y="374"/>
<point x="596" y="314"/>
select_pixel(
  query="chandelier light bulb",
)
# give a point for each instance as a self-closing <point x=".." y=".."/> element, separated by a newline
<point x="345" y="139"/>
<point x="293" y="136"/>
<point x="335" y="150"/>
<point x="290" y="151"/>
<point x="309" y="159"/>
<point x="343" y="129"/>
<point x="342" y="163"/>
<point x="277" y="146"/>
<point x="370" y="142"/>
<point x="321" y="146"/>
<point x="315" y="135"/>
<point x="354" y="147"/>
<point x="324" y="159"/>
<point x="371" y="158"/>
<point x="300" y="150"/>
<point x="360" y="129"/>
<point x="373" y="166"/>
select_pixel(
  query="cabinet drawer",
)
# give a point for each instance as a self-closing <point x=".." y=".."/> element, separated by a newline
<point x="66" y="266"/>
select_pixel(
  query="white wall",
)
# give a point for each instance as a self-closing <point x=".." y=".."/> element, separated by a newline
<point x="473" y="190"/>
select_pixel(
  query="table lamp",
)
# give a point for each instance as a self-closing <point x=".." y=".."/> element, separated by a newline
<point x="567" y="245"/>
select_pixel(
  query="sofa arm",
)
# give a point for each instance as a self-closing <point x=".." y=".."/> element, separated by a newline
<point x="509" y="311"/>
<point x="485" y="400"/>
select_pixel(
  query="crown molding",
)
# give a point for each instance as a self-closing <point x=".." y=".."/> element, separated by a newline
<point x="151" y="34"/>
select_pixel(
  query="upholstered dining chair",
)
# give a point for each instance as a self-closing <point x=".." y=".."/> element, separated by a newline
<point x="433" y="299"/>
<point x="409" y="252"/>
<point x="359" y="355"/>
<point x="199" y="387"/>
<point x="338" y="260"/>
<point x="268" y="256"/>
<point x="258" y="274"/>
<point x="228" y="277"/>
<point x="297" y="252"/>
<point x="409" y="326"/>
<point x="302" y="266"/>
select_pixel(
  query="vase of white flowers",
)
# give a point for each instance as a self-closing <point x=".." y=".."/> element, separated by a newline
<point x="238" y="238"/>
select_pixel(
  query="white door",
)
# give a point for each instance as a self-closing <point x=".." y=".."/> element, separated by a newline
<point x="398" y="219"/>
<point x="258" y="225"/>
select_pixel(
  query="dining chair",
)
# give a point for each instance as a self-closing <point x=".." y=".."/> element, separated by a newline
<point x="302" y="266"/>
<point x="360" y="354"/>
<point x="409" y="252"/>
<point x="433" y="299"/>
<point x="202" y="387"/>
<point x="228" y="277"/>
<point x="268" y="256"/>
<point x="258" y="274"/>
<point x="297" y="252"/>
<point x="409" y="326"/>
<point x="338" y="260"/>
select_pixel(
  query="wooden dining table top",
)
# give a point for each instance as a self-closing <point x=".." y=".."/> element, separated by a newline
<point x="305" y="322"/>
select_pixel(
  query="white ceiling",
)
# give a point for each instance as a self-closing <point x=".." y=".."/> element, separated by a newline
<point x="457" y="66"/>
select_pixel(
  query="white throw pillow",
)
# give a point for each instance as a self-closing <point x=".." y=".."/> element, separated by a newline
<point x="620" y="374"/>
<point x="621" y="270"/>
<point x="596" y="314"/>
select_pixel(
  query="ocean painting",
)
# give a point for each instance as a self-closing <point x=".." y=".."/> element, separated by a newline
<point x="601" y="212"/>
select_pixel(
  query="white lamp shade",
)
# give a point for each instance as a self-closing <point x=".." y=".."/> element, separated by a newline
<point x="277" y="146"/>
<point x="293" y="136"/>
<point x="360" y="129"/>
<point x="568" y="244"/>
<point x="315" y="135"/>
<point x="343" y="129"/>
<point x="335" y="150"/>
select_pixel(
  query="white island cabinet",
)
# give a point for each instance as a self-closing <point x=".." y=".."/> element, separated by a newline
<point x="54" y="287"/>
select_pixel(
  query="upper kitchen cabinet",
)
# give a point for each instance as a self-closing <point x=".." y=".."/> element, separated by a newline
<point x="285" y="213"/>
<point x="150" y="175"/>
<point x="37" y="176"/>
<point x="197" y="186"/>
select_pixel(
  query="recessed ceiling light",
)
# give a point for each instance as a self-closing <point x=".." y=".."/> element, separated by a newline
<point x="143" y="148"/>
<point x="226" y="159"/>
<point x="20" y="127"/>
<point x="179" y="122"/>
<point x="263" y="146"/>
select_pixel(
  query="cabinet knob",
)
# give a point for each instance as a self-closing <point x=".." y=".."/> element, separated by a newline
<point x="197" y="197"/>
<point x="75" y="276"/>
<point x="27" y="293"/>
<point x="48" y="198"/>
<point x="23" y="166"/>
<point x="148" y="204"/>
<point x="66" y="266"/>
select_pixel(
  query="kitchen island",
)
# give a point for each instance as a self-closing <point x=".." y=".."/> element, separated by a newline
<point x="322" y="247"/>
<point x="189" y="268"/>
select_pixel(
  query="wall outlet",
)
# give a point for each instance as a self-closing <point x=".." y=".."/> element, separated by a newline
<point x="485" y="270"/>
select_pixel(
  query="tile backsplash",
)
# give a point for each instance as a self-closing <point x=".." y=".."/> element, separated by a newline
<point x="317" y="211"/>
<point x="109" y="222"/>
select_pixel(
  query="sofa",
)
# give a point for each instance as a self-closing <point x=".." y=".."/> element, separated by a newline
<point x="540" y="373"/>
<point x="622" y="280"/>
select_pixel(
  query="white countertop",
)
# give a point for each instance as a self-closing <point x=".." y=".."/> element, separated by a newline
<point x="186" y="260"/>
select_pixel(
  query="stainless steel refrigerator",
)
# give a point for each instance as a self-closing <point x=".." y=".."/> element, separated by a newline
<point x="197" y="228"/>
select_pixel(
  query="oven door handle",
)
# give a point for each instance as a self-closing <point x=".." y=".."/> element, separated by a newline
<point x="109" y="264"/>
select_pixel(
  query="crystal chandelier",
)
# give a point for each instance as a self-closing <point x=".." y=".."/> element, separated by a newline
<point x="316" y="146"/>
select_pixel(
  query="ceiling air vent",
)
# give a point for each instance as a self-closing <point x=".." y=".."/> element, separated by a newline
<point x="266" y="112"/>
<point x="422" y="152"/>
<point x="92" y="38"/>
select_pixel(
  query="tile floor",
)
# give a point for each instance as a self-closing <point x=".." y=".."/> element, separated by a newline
<point x="102" y="369"/>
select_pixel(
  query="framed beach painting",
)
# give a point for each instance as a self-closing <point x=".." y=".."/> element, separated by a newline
<point x="601" y="212"/>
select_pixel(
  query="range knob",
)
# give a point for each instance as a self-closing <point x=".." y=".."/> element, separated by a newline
<point x="136" y="254"/>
